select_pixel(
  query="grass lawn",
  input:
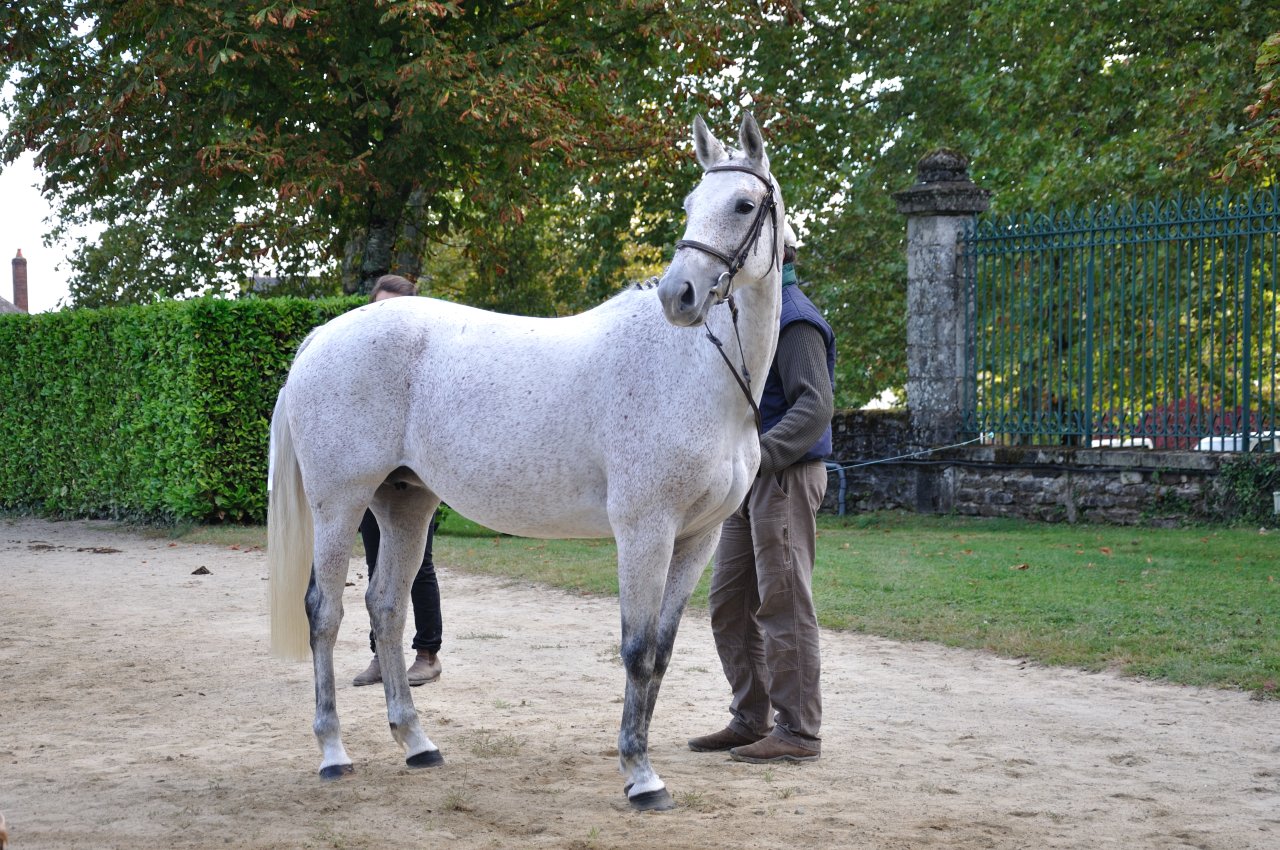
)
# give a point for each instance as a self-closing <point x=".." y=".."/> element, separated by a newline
<point x="1198" y="606"/>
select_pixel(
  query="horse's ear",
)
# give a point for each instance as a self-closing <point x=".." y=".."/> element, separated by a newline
<point x="750" y="139"/>
<point x="706" y="146"/>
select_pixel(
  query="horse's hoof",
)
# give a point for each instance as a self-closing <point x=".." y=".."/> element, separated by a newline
<point x="652" y="801"/>
<point x="426" y="758"/>
<point x="336" y="771"/>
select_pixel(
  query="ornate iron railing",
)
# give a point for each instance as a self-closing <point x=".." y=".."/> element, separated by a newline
<point x="1146" y="323"/>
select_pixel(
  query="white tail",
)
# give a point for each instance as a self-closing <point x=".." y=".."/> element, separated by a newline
<point x="289" y="544"/>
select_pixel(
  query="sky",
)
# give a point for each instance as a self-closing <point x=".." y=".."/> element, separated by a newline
<point x="23" y="226"/>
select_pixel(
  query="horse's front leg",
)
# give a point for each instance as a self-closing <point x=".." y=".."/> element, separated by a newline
<point x="642" y="568"/>
<point x="403" y="519"/>
<point x="651" y="612"/>
<point x="324" y="613"/>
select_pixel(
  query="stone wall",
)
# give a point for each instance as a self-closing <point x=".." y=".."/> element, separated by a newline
<point x="1045" y="483"/>
<point x="1118" y="486"/>
<point x="859" y="436"/>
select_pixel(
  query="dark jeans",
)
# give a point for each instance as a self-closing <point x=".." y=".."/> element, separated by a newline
<point x="425" y="593"/>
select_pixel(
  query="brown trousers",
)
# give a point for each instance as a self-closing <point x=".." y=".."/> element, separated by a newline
<point x="762" y="614"/>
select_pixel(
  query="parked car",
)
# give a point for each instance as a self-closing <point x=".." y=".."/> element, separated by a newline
<point x="1262" y="441"/>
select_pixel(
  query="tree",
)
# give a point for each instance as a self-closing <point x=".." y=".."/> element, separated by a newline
<point x="214" y="138"/>
<point x="533" y="153"/>
<point x="1056" y="105"/>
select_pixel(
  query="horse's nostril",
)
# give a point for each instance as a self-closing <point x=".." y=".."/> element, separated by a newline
<point x="686" y="294"/>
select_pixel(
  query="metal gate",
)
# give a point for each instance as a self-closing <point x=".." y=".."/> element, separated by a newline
<point x="1151" y="324"/>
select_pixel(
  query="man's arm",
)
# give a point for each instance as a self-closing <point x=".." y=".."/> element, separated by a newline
<point x="802" y="366"/>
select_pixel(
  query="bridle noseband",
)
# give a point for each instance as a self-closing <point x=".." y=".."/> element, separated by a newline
<point x="724" y="284"/>
<point x="738" y="258"/>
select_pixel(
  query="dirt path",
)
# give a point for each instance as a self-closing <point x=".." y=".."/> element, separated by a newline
<point x="139" y="709"/>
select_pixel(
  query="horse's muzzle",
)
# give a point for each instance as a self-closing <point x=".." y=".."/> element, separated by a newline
<point x="682" y="302"/>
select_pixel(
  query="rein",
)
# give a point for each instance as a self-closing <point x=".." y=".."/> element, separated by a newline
<point x="743" y="379"/>
<point x="735" y="262"/>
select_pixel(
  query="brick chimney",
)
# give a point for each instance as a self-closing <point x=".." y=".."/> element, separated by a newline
<point x="20" y="282"/>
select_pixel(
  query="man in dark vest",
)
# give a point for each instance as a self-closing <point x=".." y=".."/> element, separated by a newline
<point x="761" y="599"/>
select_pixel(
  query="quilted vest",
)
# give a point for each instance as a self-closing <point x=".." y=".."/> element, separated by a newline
<point x="796" y="307"/>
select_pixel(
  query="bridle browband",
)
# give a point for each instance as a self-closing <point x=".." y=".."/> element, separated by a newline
<point x="735" y="262"/>
<point x="738" y="258"/>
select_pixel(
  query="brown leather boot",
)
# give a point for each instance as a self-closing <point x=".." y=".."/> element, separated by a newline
<point x="772" y="749"/>
<point x="725" y="739"/>
<point x="425" y="668"/>
<point x="372" y="674"/>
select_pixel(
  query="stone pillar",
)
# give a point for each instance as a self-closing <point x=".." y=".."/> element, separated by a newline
<point x="20" y="282"/>
<point x="939" y="207"/>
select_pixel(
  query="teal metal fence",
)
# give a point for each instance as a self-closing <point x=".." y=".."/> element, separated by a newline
<point x="1151" y="324"/>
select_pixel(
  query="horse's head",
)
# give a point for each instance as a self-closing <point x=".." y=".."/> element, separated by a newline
<point x="733" y="235"/>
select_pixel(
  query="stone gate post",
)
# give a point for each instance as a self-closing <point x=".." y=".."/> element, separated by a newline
<point x="938" y="208"/>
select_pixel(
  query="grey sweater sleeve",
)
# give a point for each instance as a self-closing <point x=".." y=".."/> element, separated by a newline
<point x="801" y="363"/>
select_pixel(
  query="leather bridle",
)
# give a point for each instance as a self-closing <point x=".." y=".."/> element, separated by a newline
<point x="735" y="261"/>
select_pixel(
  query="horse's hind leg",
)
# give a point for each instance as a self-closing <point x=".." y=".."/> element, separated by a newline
<point x="404" y="513"/>
<point x="663" y="609"/>
<point x="333" y="532"/>
<point x="687" y="565"/>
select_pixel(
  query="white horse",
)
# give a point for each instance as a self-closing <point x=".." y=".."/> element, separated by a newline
<point x="619" y="422"/>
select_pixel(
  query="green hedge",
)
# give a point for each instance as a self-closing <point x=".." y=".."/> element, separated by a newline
<point x="156" y="412"/>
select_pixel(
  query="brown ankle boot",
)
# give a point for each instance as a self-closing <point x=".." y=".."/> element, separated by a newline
<point x="725" y="739"/>
<point x="372" y="674"/>
<point x="772" y="749"/>
<point x="426" y="668"/>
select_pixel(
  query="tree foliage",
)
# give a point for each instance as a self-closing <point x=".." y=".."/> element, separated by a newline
<point x="528" y="156"/>
<point x="214" y="138"/>
<point x="1055" y="104"/>
<point x="1259" y="151"/>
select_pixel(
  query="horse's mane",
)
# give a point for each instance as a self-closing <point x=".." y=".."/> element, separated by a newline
<point x="647" y="283"/>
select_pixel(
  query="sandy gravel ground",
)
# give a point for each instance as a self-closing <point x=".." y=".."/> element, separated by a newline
<point x="139" y="709"/>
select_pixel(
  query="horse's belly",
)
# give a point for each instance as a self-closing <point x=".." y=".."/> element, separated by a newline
<point x="556" y="526"/>
<point x="524" y="496"/>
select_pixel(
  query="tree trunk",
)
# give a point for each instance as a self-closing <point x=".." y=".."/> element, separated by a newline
<point x="351" y="262"/>
<point x="380" y="240"/>
<point x="369" y="253"/>
<point x="408" y="259"/>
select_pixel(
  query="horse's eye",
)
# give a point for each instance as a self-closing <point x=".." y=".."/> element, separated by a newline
<point x="744" y="206"/>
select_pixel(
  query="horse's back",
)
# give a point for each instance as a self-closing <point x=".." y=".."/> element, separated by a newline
<point x="517" y="422"/>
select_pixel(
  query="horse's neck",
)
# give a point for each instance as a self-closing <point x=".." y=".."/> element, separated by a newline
<point x="757" y="328"/>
